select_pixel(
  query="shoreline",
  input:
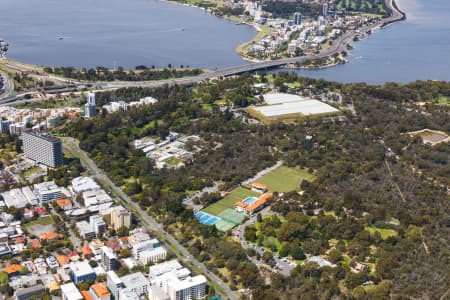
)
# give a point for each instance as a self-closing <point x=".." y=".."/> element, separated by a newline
<point x="384" y="23"/>
<point x="396" y="16"/>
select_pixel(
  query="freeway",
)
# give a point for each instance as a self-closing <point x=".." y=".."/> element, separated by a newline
<point x="150" y="223"/>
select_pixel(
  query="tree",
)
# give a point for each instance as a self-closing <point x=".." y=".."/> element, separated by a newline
<point x="259" y="218"/>
<point x="124" y="253"/>
<point x="23" y="270"/>
<point x="267" y="256"/>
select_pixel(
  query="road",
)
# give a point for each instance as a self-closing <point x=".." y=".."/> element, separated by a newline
<point x="8" y="84"/>
<point x="149" y="222"/>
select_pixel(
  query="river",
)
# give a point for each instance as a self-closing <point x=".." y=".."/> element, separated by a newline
<point x="133" y="32"/>
<point x="417" y="48"/>
<point x="118" y="33"/>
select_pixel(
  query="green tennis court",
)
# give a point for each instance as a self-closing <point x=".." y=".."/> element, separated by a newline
<point x="232" y="216"/>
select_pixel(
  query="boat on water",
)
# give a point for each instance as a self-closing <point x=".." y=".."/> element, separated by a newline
<point x="61" y="38"/>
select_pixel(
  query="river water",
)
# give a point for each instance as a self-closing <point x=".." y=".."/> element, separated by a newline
<point x="118" y="32"/>
<point x="133" y="32"/>
<point x="417" y="48"/>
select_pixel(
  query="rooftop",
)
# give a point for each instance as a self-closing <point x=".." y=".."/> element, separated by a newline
<point x="82" y="184"/>
<point x="165" y="267"/>
<point x="48" y="186"/>
<point x="15" y="198"/>
<point x="12" y="269"/>
<point x="44" y="136"/>
<point x="49" y="236"/>
<point x="100" y="290"/>
<point x="81" y="268"/>
<point x="63" y="202"/>
<point x="71" y="292"/>
<point x="135" y="279"/>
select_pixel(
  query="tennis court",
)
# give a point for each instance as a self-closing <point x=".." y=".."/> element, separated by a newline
<point x="206" y="218"/>
<point x="232" y="216"/>
<point x="223" y="225"/>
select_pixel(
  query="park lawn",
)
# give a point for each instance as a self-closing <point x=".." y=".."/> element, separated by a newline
<point x="230" y="200"/>
<point x="385" y="233"/>
<point x="220" y="102"/>
<point x="31" y="171"/>
<point x="42" y="221"/>
<point x="444" y="100"/>
<point x="285" y="179"/>
<point x="173" y="161"/>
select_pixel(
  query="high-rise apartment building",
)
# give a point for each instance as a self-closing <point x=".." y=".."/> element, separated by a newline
<point x="90" y="107"/>
<point x="43" y="148"/>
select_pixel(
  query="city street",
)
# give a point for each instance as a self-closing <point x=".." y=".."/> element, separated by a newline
<point x="150" y="223"/>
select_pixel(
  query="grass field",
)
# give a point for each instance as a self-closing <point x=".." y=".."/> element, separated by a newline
<point x="385" y="233"/>
<point x="444" y="100"/>
<point x="228" y="201"/>
<point x="285" y="179"/>
<point x="42" y="221"/>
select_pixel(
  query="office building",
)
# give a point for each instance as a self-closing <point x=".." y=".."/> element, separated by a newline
<point x="89" y="107"/>
<point x="47" y="191"/>
<point x="109" y="259"/>
<point x="27" y="293"/>
<point x="43" y="148"/>
<point x="297" y="18"/>
<point x="81" y="271"/>
<point x="120" y="217"/>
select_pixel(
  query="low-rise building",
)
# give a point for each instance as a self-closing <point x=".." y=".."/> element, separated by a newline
<point x="27" y="293"/>
<point x="137" y="283"/>
<point x="49" y="236"/>
<point x="95" y="197"/>
<point x="170" y="280"/>
<point x="31" y="197"/>
<point x="85" y="230"/>
<point x="84" y="184"/>
<point x="15" y="198"/>
<point x="99" y="291"/>
<point x="152" y="255"/>
<point x="81" y="271"/>
<point x="64" y="204"/>
<point x="47" y="191"/>
<point x="69" y="291"/>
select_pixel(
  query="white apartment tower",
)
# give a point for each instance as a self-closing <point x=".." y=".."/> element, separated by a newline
<point x="89" y="107"/>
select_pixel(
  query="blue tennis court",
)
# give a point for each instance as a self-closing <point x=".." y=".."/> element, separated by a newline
<point x="250" y="200"/>
<point x="206" y="218"/>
